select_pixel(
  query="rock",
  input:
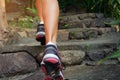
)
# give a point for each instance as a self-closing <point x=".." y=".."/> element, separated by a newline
<point x="95" y="63"/>
<point x="15" y="39"/>
<point x="119" y="59"/>
<point x="14" y="35"/>
<point x="104" y="30"/>
<point x="1" y="44"/>
<point x="91" y="34"/>
<point x="72" y="57"/>
<point x="63" y="35"/>
<point x="95" y="55"/>
<point x="102" y="72"/>
<point x="22" y="34"/>
<point x="76" y="21"/>
<point x="36" y="75"/>
<point x="99" y="15"/>
<point x="16" y="63"/>
<point x="83" y="34"/>
<point x="76" y="35"/>
<point x="69" y="18"/>
<point x="86" y="16"/>
<point x="108" y="51"/>
<point x="91" y="15"/>
<point x="89" y="63"/>
<point x="89" y="20"/>
<point x="31" y="33"/>
<point x="95" y="22"/>
<point x="83" y="16"/>
<point x="31" y="45"/>
<point x="110" y="62"/>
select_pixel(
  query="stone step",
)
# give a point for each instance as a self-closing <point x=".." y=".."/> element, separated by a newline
<point x="89" y="33"/>
<point x="101" y="72"/>
<point x="69" y="57"/>
<point x="35" y="48"/>
<point x="64" y="34"/>
<point x="22" y="66"/>
<point x="36" y="75"/>
<point x="85" y="23"/>
<point x="72" y="52"/>
<point x="83" y="16"/>
<point x="86" y="20"/>
<point x="111" y="40"/>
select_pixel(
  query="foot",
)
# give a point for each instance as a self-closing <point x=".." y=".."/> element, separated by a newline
<point x="40" y="35"/>
<point x="51" y="64"/>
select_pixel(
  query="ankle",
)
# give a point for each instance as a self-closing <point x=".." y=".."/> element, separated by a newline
<point x="51" y="44"/>
<point x="41" y="22"/>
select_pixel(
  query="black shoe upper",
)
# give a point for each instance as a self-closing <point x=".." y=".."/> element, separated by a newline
<point x="40" y="28"/>
<point x="51" y="49"/>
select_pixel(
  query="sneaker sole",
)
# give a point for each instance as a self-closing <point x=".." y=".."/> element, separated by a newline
<point x="41" y="39"/>
<point x="54" y="63"/>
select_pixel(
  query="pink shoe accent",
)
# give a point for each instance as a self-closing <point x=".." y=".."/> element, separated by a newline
<point x="39" y="38"/>
<point x="43" y="69"/>
<point x="51" y="60"/>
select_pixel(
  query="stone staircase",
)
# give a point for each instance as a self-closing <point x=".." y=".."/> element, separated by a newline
<point x="81" y="49"/>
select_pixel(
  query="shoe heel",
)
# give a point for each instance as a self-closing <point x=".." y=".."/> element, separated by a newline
<point x="51" y="60"/>
<point x="59" y="78"/>
<point x="41" y="39"/>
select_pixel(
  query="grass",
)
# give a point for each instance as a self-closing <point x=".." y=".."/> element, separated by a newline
<point x="110" y="56"/>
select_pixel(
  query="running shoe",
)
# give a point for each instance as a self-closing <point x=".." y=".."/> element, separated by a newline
<point x="51" y="64"/>
<point x="40" y="35"/>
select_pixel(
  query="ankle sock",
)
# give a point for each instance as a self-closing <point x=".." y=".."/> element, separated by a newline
<point x="51" y="43"/>
<point x="41" y="22"/>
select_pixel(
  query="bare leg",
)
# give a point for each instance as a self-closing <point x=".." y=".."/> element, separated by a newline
<point x="40" y="35"/>
<point x="50" y="10"/>
<point x="39" y="9"/>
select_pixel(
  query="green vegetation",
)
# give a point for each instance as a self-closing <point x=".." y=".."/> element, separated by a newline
<point x="32" y="10"/>
<point x="65" y="4"/>
<point x="24" y="22"/>
<point x="116" y="22"/>
<point x="87" y="47"/>
<point x="113" y="55"/>
<point x="108" y="7"/>
<point x="27" y="21"/>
